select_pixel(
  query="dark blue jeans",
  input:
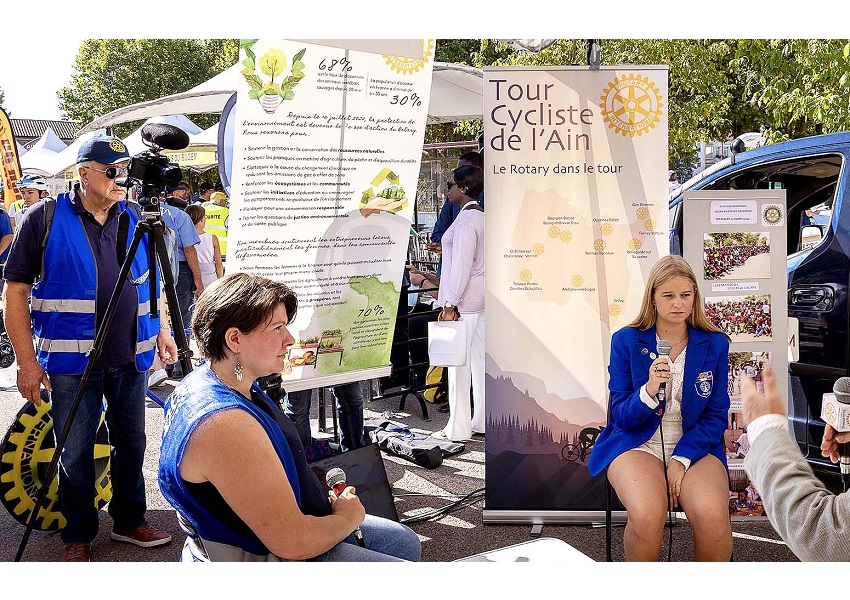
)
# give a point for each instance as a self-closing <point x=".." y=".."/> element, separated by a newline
<point x="349" y="402"/>
<point x="124" y="391"/>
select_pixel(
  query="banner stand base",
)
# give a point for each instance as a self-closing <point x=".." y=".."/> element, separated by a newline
<point x="550" y="517"/>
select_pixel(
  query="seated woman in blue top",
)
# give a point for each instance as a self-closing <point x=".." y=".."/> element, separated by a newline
<point x="232" y="463"/>
<point x="671" y="451"/>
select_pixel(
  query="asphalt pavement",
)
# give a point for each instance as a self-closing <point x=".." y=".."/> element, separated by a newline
<point x="417" y="490"/>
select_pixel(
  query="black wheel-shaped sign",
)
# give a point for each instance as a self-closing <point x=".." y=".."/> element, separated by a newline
<point x="7" y="353"/>
<point x="570" y="452"/>
<point x="25" y="454"/>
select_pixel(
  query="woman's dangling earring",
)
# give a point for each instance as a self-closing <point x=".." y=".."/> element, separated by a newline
<point x="238" y="370"/>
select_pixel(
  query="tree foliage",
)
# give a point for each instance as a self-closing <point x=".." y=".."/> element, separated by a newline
<point x="116" y="72"/>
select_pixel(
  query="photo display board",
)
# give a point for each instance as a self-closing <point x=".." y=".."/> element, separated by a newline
<point x="735" y="241"/>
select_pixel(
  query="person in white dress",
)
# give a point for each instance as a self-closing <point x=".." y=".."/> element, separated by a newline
<point x="209" y="251"/>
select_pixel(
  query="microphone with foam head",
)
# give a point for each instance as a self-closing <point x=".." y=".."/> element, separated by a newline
<point x="167" y="137"/>
<point x="335" y="478"/>
<point x="663" y="347"/>
<point x="835" y="411"/>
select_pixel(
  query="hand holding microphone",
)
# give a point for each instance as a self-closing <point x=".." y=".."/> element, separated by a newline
<point x="344" y="502"/>
<point x="835" y="411"/>
<point x="659" y="372"/>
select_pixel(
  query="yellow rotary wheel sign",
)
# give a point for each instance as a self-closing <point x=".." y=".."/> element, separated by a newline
<point x="525" y="276"/>
<point x="642" y="213"/>
<point x="25" y="454"/>
<point x="554" y="231"/>
<point x="614" y="310"/>
<point x="411" y="65"/>
<point x="566" y="236"/>
<point x="538" y="249"/>
<point x="631" y="105"/>
<point x="607" y="229"/>
<point x="635" y="244"/>
<point x="577" y="280"/>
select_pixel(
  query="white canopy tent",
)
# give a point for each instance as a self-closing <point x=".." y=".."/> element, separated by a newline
<point x="43" y="153"/>
<point x="456" y="94"/>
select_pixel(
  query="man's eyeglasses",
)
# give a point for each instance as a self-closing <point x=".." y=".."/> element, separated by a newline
<point x="450" y="185"/>
<point x="111" y="172"/>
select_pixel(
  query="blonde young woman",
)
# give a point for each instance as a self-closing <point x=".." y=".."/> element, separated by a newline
<point x="669" y="452"/>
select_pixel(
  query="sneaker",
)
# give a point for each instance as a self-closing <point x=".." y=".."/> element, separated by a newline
<point x="77" y="553"/>
<point x="145" y="535"/>
<point x="157" y="377"/>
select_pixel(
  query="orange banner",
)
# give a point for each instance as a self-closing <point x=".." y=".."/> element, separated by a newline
<point x="11" y="163"/>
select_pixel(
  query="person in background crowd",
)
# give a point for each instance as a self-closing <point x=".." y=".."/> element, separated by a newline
<point x="33" y="188"/>
<point x="814" y="522"/>
<point x="183" y="192"/>
<point x="672" y="182"/>
<point x="349" y="403"/>
<point x="209" y="251"/>
<point x="461" y="295"/>
<point x="205" y="190"/>
<point x="661" y="456"/>
<point x="81" y="267"/>
<point x="450" y="211"/>
<point x="6" y="236"/>
<point x="219" y="422"/>
<point x="218" y="215"/>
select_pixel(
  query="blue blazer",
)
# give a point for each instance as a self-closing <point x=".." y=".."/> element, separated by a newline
<point x="705" y="397"/>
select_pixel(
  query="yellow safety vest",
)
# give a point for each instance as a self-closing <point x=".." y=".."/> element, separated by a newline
<point x="217" y="217"/>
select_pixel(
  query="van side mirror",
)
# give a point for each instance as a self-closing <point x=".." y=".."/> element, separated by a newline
<point x="810" y="236"/>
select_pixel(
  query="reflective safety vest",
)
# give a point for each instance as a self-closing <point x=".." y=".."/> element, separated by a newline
<point x="217" y="217"/>
<point x="64" y="303"/>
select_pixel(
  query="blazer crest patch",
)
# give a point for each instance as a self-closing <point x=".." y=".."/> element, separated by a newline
<point x="704" y="384"/>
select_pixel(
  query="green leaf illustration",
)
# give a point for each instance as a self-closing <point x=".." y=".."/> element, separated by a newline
<point x="254" y="94"/>
<point x="289" y="95"/>
<point x="299" y="56"/>
<point x="297" y="66"/>
<point x="248" y="62"/>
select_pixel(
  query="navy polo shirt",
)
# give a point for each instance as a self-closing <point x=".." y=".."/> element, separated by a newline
<point x="24" y="265"/>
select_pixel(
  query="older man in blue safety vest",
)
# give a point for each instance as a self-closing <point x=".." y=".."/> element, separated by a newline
<point x="70" y="293"/>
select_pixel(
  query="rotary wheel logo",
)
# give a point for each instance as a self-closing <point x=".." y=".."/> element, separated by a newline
<point x="829" y="413"/>
<point x="26" y="452"/>
<point x="635" y="244"/>
<point x="577" y="281"/>
<point x="599" y="245"/>
<point x="614" y="310"/>
<point x="607" y="228"/>
<point x="566" y="236"/>
<point x="642" y="213"/>
<point x="525" y="276"/>
<point x="409" y="66"/>
<point x="772" y="214"/>
<point x="649" y="225"/>
<point x="631" y="105"/>
<point x="117" y="146"/>
<point x="554" y="231"/>
<point x="538" y="249"/>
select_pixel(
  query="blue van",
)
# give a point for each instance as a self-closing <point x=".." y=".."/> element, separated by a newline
<point x="814" y="173"/>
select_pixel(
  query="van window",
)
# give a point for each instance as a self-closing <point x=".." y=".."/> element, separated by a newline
<point x="810" y="185"/>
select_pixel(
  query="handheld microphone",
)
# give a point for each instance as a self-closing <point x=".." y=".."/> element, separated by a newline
<point x="335" y="478"/>
<point x="835" y="411"/>
<point x="663" y="348"/>
<point x="167" y="137"/>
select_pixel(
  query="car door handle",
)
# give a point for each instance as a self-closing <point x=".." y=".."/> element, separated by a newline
<point x="816" y="297"/>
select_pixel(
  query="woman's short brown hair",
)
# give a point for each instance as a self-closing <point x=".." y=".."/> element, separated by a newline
<point x="196" y="212"/>
<point x="237" y="300"/>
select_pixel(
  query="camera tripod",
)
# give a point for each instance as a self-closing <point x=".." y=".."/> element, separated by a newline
<point x="151" y="225"/>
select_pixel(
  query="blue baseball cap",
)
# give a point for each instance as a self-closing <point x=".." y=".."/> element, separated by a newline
<point x="103" y="149"/>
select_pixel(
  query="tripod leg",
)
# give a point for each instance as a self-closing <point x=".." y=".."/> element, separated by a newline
<point x="183" y="352"/>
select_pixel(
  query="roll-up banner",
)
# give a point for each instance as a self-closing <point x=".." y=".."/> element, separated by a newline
<point x="734" y="241"/>
<point x="11" y="162"/>
<point x="327" y="146"/>
<point x="576" y="185"/>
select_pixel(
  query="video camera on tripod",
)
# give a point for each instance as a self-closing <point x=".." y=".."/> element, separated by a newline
<point x="151" y="172"/>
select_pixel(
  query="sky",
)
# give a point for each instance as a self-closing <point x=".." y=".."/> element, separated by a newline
<point x="32" y="73"/>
